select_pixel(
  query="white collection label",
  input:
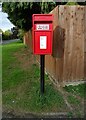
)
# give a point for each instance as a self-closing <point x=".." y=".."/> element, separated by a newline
<point x="42" y="27"/>
<point x="43" y="42"/>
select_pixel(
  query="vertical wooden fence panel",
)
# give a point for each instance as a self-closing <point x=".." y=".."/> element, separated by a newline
<point x="73" y="66"/>
<point x="28" y="39"/>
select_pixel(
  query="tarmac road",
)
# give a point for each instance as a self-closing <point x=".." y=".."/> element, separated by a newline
<point x="9" y="41"/>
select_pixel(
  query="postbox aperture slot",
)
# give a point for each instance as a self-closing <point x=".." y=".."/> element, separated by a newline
<point x="35" y="22"/>
<point x="43" y="17"/>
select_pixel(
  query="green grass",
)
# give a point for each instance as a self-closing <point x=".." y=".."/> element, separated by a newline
<point x="77" y="90"/>
<point x="70" y="115"/>
<point x="10" y="72"/>
<point x="21" y="85"/>
<point x="73" y="100"/>
<point x="72" y="3"/>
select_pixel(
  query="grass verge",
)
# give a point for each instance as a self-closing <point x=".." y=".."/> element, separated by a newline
<point x="21" y="84"/>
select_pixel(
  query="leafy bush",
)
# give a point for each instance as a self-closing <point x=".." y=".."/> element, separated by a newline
<point x="14" y="31"/>
<point x="21" y="34"/>
<point x="6" y="35"/>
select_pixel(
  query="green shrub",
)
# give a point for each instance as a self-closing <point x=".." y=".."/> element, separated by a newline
<point x="7" y="35"/>
<point x="21" y="34"/>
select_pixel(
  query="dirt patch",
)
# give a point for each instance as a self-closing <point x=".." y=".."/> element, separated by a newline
<point x="25" y="58"/>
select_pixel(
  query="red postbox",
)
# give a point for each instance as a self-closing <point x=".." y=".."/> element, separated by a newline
<point x="42" y="33"/>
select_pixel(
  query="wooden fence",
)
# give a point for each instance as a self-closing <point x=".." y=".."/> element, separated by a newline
<point x="68" y="62"/>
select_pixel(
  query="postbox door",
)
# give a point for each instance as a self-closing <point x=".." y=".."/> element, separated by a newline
<point x="43" y="42"/>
